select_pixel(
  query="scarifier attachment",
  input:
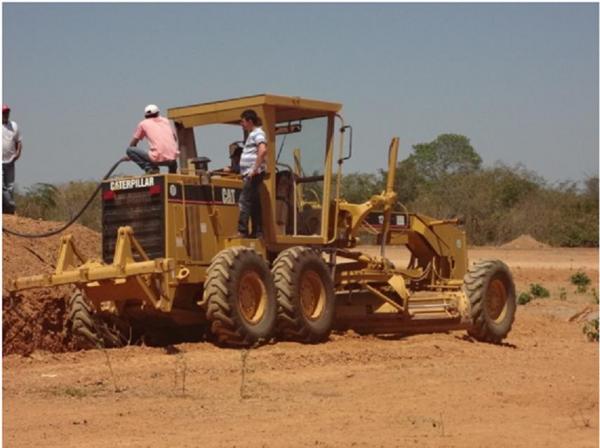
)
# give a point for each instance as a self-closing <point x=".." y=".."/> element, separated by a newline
<point x="126" y="278"/>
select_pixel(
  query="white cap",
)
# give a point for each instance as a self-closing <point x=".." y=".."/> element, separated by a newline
<point x="151" y="109"/>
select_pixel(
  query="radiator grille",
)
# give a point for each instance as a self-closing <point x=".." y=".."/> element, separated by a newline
<point x="141" y="211"/>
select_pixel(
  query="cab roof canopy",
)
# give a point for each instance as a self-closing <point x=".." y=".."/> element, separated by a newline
<point x="287" y="108"/>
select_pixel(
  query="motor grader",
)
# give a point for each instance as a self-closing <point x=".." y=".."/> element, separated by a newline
<point x="171" y="258"/>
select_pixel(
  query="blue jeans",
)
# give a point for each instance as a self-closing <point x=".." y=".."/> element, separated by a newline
<point x="250" y="208"/>
<point x="8" y="188"/>
<point x="141" y="156"/>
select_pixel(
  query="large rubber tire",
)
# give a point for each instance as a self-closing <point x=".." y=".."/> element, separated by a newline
<point x="305" y="297"/>
<point x="240" y="297"/>
<point x="89" y="328"/>
<point x="491" y="291"/>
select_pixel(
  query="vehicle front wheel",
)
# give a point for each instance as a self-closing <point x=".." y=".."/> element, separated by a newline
<point x="491" y="291"/>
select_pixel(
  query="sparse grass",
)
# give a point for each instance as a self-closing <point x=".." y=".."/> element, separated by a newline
<point x="180" y="373"/>
<point x="112" y="373"/>
<point x="595" y="296"/>
<point x="562" y="294"/>
<point x="244" y="353"/>
<point x="74" y="391"/>
<point x="581" y="280"/>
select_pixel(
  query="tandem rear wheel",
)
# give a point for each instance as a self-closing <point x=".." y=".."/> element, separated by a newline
<point x="305" y="296"/>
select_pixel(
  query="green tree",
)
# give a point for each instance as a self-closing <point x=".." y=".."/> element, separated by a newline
<point x="447" y="154"/>
<point x="485" y="199"/>
<point x="359" y="187"/>
<point x="407" y="182"/>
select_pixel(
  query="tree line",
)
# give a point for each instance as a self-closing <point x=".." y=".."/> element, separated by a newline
<point x="444" y="178"/>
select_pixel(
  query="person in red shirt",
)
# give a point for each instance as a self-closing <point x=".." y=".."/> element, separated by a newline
<point x="162" y="142"/>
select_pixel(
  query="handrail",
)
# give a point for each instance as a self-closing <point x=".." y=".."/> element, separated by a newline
<point x="338" y="183"/>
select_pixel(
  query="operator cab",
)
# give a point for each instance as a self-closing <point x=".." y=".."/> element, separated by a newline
<point x="297" y="191"/>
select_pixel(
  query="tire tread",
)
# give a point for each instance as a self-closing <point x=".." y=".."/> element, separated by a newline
<point x="219" y="295"/>
<point x="475" y="282"/>
<point x="290" y="323"/>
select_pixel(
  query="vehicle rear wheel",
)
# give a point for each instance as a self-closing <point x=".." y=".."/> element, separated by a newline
<point x="90" y="329"/>
<point x="491" y="291"/>
<point x="240" y="297"/>
<point x="305" y="297"/>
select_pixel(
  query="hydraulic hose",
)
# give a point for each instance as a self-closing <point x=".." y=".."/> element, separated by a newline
<point x="83" y="209"/>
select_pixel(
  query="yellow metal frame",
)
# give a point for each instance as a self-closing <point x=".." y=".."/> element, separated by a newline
<point x="109" y="282"/>
<point x="272" y="109"/>
<point x="438" y="244"/>
<point x="289" y="108"/>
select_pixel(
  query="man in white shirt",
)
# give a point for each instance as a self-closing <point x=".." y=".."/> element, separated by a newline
<point x="252" y="169"/>
<point x="11" y="151"/>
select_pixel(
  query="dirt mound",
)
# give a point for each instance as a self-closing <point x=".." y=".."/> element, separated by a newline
<point x="525" y="242"/>
<point x="34" y="319"/>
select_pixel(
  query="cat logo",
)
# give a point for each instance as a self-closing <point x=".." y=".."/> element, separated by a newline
<point x="228" y="195"/>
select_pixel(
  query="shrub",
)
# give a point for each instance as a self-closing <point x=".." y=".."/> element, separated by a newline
<point x="359" y="187"/>
<point x="538" y="291"/>
<point x="60" y="203"/>
<point x="524" y="298"/>
<point x="38" y="201"/>
<point x="590" y="329"/>
<point x="581" y="280"/>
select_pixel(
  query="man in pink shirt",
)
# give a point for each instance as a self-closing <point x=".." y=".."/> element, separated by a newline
<point x="162" y="143"/>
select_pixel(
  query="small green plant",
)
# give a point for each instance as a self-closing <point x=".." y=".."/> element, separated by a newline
<point x="595" y="295"/>
<point x="70" y="391"/>
<point x="590" y="329"/>
<point x="562" y="294"/>
<point x="538" y="291"/>
<point x="581" y="280"/>
<point x="524" y="298"/>
<point x="74" y="392"/>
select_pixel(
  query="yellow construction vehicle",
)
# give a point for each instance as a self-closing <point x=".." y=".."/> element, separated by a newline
<point x="170" y="257"/>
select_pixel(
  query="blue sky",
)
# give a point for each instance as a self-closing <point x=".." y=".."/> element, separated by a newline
<point x="520" y="80"/>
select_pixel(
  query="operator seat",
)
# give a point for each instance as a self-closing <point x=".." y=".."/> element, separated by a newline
<point x="283" y="201"/>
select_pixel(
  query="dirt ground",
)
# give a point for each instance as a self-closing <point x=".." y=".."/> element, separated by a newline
<point x="43" y="307"/>
<point x="539" y="388"/>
